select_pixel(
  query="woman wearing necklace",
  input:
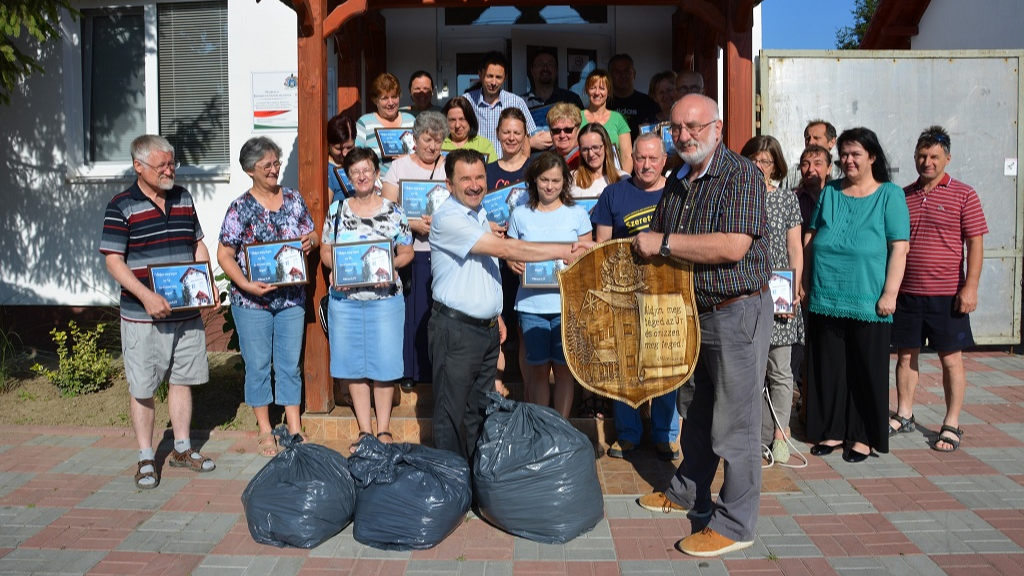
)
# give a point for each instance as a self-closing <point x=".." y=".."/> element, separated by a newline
<point x="425" y="163"/>
<point x="515" y="150"/>
<point x="599" y="90"/>
<point x="366" y="323"/>
<point x="268" y="319"/>
<point x="387" y="93"/>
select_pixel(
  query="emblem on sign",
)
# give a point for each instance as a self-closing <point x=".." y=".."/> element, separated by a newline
<point x="629" y="325"/>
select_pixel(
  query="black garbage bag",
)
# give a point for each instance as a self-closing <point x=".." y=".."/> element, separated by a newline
<point x="302" y="497"/>
<point x="534" y="475"/>
<point x="410" y="497"/>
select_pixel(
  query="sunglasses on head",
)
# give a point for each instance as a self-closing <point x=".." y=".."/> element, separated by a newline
<point x="557" y="131"/>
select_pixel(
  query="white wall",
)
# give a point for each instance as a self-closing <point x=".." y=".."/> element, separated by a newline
<point x="973" y="25"/>
<point x="51" y="218"/>
<point x="645" y="33"/>
<point x="412" y="45"/>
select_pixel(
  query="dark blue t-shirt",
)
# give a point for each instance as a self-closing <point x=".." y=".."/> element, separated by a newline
<point x="626" y="208"/>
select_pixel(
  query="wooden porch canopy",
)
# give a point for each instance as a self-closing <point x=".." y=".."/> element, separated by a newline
<point x="700" y="28"/>
<point x="893" y="24"/>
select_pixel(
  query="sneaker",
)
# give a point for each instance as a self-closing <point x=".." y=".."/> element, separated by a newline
<point x="668" y="451"/>
<point x="658" y="502"/>
<point x="620" y="448"/>
<point x="707" y="543"/>
<point x="780" y="451"/>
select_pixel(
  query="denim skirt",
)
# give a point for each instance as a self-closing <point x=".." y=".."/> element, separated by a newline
<point x="367" y="337"/>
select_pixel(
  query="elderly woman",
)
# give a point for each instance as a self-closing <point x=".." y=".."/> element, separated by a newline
<point x="550" y="215"/>
<point x="564" y="124"/>
<point x="367" y="323"/>
<point x="515" y="150"/>
<point x="386" y="94"/>
<point x="425" y="163"/>
<point x="463" y="129"/>
<point x="599" y="91"/>
<point x="341" y="139"/>
<point x="597" y="169"/>
<point x="857" y="245"/>
<point x="663" y="91"/>
<point x="268" y="318"/>
<point x="784" y="251"/>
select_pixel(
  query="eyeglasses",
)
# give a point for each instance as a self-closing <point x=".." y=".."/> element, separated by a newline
<point x="163" y="167"/>
<point x="592" y="149"/>
<point x="362" y="172"/>
<point x="940" y="138"/>
<point x="557" y="131"/>
<point x="693" y="129"/>
<point x="266" y="167"/>
<point x="762" y="162"/>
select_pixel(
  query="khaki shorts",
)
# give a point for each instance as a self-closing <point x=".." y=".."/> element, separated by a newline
<point x="163" y="351"/>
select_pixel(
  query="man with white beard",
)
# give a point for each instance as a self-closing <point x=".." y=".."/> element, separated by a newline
<point x="712" y="213"/>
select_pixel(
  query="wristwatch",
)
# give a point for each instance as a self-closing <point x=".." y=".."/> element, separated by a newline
<point x="665" y="250"/>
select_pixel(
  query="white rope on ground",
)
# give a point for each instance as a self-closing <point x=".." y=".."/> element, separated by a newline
<point x="767" y="451"/>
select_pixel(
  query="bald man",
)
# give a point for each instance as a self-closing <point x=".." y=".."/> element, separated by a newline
<point x="689" y="82"/>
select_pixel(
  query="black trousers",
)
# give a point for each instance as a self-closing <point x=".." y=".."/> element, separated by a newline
<point x="464" y="359"/>
<point x="848" y="380"/>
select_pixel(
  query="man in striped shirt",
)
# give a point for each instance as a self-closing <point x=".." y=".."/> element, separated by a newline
<point x="937" y="294"/>
<point x="491" y="98"/>
<point x="155" y="222"/>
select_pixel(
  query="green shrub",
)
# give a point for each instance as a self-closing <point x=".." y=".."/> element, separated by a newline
<point x="8" y="359"/>
<point x="86" y="368"/>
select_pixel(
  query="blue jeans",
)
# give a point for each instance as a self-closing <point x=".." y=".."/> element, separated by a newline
<point x="664" y="420"/>
<point x="271" y="334"/>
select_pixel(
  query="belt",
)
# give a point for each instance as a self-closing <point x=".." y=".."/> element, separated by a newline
<point x="463" y="317"/>
<point x="728" y="301"/>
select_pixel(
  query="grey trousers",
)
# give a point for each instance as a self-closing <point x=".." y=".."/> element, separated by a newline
<point x="780" y="389"/>
<point x="724" y="420"/>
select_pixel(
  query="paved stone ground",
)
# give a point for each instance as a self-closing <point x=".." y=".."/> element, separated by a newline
<point x="68" y="506"/>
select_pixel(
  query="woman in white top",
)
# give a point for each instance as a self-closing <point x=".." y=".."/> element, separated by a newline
<point x="597" y="167"/>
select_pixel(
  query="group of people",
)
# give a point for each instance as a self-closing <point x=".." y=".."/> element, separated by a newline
<point x="864" y="253"/>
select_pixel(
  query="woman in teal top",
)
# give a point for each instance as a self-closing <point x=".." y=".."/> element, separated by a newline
<point x="599" y="91"/>
<point x="857" y="247"/>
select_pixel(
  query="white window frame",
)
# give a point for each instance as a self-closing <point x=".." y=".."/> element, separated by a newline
<point x="78" y="169"/>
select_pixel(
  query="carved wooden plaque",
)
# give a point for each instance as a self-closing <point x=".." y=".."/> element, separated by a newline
<point x="629" y="325"/>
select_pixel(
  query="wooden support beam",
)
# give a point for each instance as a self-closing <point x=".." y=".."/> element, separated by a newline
<point x="708" y="12"/>
<point x="739" y="82"/>
<point x="341" y="14"/>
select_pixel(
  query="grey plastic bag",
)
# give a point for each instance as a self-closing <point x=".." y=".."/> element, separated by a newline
<point x="302" y="497"/>
<point x="534" y="475"/>
<point x="410" y="497"/>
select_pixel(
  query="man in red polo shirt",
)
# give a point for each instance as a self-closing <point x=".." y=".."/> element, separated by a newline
<point x="937" y="293"/>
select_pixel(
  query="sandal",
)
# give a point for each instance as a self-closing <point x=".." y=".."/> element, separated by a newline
<point x="906" y="424"/>
<point x="191" y="459"/>
<point x="954" y="442"/>
<point x="352" y="446"/>
<point x="390" y="439"/>
<point x="593" y="407"/>
<point x="140" y="475"/>
<point x="267" y="449"/>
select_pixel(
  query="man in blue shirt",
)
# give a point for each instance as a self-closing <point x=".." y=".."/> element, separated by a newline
<point x="463" y="330"/>
<point x="490" y="99"/>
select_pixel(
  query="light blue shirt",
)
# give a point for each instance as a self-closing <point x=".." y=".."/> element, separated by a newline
<point x="487" y="115"/>
<point x="469" y="283"/>
<point x="566" y="224"/>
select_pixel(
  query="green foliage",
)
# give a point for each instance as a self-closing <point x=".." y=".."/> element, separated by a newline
<point x="8" y="359"/>
<point x="229" y="319"/>
<point x="849" y="37"/>
<point x="160" y="394"/>
<point x="22" y="21"/>
<point x="86" y="368"/>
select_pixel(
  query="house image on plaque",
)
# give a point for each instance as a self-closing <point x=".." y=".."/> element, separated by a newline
<point x="289" y="259"/>
<point x="611" y="325"/>
<point x="408" y="141"/>
<point x="195" y="284"/>
<point x="376" y="265"/>
<point x="782" y="289"/>
<point x="437" y="195"/>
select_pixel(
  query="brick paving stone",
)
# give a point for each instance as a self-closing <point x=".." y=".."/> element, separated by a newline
<point x="780" y="566"/>
<point x="15" y="435"/>
<point x="82" y="529"/>
<point x="344" y="545"/>
<point x="460" y="568"/>
<point x="351" y="567"/>
<point x="983" y="492"/>
<point x="817" y="468"/>
<point x="648" y="539"/>
<point x="855" y="535"/>
<point x="100" y="461"/>
<point x="149" y="563"/>
<point x="905" y="494"/>
<point x="474" y="540"/>
<point x="952" y="532"/>
<point x="826" y="497"/>
<point x="996" y="413"/>
<point x="11" y="481"/>
<point x="1005" y="460"/>
<point x="782" y="537"/>
<point x="1009" y="394"/>
<point x="1009" y="522"/>
<point x="179" y="533"/>
<point x="691" y="567"/>
<point x="55" y="490"/>
<point x="905" y="565"/>
<point x="70" y="441"/>
<point x="18" y="524"/>
<point x="37" y="459"/>
<point x="981" y="564"/>
<point x="213" y="565"/>
<point x="882" y="466"/>
<point x="203" y="494"/>
<point x="770" y="506"/>
<point x="929" y="463"/>
<point x="238" y="542"/>
<point x="45" y="562"/>
<point x="121" y="493"/>
<point x="234" y="466"/>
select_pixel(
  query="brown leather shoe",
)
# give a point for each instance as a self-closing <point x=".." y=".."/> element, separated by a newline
<point x="707" y="544"/>
<point x="658" y="502"/>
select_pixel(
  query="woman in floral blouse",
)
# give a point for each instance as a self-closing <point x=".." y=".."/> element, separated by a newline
<point x="268" y="318"/>
<point x="367" y="323"/>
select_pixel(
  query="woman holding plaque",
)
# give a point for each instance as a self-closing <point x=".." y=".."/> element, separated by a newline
<point x="597" y="169"/>
<point x="515" y="150"/>
<point x="387" y="92"/>
<point x="550" y="215"/>
<point x="425" y="163"/>
<point x="269" y="319"/>
<point x="599" y="91"/>
<point x="857" y="248"/>
<point x="366" y="322"/>
<point x="785" y="251"/>
<point x="463" y="129"/>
